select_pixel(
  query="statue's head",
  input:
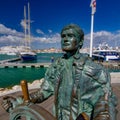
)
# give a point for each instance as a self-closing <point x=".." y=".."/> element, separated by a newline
<point x="72" y="38"/>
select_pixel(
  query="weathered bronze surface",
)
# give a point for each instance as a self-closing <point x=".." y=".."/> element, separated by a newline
<point x="30" y="112"/>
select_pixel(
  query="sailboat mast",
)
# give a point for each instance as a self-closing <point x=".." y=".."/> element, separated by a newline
<point x="27" y="54"/>
<point x="25" y="25"/>
<point x="29" y="24"/>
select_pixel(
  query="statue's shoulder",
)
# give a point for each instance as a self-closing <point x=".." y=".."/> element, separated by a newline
<point x="97" y="71"/>
<point x="92" y="68"/>
<point x="93" y="64"/>
<point x="90" y="62"/>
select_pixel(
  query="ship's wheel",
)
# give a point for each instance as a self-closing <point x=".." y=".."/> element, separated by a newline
<point x="28" y="110"/>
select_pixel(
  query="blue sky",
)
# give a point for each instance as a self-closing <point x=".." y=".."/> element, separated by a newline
<point x="48" y="17"/>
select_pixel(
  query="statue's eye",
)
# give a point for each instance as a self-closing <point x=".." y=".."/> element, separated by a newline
<point x="63" y="35"/>
<point x="71" y="35"/>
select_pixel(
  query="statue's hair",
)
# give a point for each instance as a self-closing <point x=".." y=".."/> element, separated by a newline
<point x="78" y="30"/>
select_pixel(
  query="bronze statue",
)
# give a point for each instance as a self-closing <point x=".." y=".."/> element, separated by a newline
<point x="81" y="87"/>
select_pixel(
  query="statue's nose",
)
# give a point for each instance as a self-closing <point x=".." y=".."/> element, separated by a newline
<point x="65" y="38"/>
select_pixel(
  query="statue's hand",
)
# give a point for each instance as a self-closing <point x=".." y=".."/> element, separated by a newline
<point x="10" y="102"/>
<point x="36" y="97"/>
<point x="7" y="103"/>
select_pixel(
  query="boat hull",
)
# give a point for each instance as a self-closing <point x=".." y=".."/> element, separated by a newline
<point x="28" y="57"/>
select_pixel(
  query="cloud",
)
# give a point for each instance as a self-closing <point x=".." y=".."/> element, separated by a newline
<point x="10" y="36"/>
<point x="112" y="39"/>
<point x="48" y="39"/>
<point x="7" y="31"/>
<point x="40" y="31"/>
<point x="22" y="23"/>
<point x="50" y="31"/>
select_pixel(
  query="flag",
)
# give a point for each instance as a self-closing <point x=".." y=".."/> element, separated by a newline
<point x="93" y="6"/>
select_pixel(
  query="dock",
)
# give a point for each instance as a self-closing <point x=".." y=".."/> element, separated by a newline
<point x="24" y="65"/>
<point x="111" y="66"/>
<point x="13" y="63"/>
<point x="10" y="60"/>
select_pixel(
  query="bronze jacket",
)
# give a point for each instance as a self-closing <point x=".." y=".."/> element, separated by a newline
<point x="80" y="86"/>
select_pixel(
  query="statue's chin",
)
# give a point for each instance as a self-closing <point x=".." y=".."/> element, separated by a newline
<point x="68" y="49"/>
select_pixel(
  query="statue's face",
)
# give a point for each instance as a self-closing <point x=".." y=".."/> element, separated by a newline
<point x="69" y="40"/>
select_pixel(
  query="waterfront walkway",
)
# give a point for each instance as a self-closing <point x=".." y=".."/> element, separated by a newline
<point x="23" y="65"/>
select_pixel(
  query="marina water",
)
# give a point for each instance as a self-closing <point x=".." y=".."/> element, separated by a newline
<point x="12" y="76"/>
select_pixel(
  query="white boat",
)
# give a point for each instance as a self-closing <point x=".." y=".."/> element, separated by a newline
<point x="28" y="54"/>
<point x="108" y="53"/>
<point x="11" y="53"/>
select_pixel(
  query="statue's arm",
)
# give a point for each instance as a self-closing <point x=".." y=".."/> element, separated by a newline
<point x="105" y="108"/>
<point x="47" y="87"/>
<point x="43" y="93"/>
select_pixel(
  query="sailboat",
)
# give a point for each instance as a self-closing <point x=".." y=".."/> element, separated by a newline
<point x="27" y="54"/>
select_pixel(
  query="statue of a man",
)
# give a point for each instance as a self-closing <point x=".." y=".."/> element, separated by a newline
<point x="81" y="87"/>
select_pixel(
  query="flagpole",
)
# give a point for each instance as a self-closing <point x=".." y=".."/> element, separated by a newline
<point x="91" y="36"/>
<point x="93" y="6"/>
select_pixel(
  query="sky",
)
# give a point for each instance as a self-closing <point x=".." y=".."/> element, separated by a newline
<point x="48" y="17"/>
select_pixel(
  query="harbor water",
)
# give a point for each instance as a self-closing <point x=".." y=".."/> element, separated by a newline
<point x="12" y="76"/>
